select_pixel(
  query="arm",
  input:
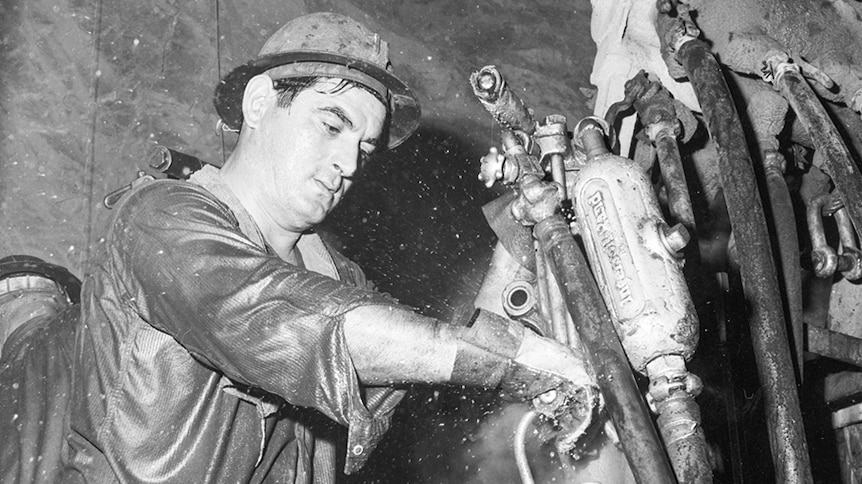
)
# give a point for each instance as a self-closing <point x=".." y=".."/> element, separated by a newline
<point x="394" y="345"/>
<point x="267" y="324"/>
<point x="391" y="345"/>
<point x="179" y="257"/>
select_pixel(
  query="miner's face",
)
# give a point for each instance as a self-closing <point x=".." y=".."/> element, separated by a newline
<point x="311" y="150"/>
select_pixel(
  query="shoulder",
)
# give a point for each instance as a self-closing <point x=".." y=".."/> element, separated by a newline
<point x="161" y="200"/>
<point x="167" y="192"/>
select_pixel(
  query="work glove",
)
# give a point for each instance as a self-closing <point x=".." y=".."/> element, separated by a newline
<point x="497" y="352"/>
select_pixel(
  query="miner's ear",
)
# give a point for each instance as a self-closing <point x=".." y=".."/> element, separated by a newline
<point x="259" y="93"/>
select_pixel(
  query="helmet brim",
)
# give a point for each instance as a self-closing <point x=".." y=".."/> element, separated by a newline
<point x="403" y="104"/>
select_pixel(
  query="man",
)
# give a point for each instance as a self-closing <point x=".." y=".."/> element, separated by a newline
<point x="220" y="340"/>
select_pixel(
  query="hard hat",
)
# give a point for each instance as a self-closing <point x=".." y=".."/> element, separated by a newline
<point x="328" y="45"/>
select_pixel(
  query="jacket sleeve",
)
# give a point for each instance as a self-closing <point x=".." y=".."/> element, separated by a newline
<point x="180" y="257"/>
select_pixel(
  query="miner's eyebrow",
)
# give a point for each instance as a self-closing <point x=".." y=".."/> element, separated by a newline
<point x="337" y="111"/>
<point x="340" y="113"/>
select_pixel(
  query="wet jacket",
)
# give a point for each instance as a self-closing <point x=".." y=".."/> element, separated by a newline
<point x="202" y="357"/>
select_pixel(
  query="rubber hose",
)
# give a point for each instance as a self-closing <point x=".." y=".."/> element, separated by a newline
<point x="767" y="326"/>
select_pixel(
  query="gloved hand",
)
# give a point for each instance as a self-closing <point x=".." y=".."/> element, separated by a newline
<point x="571" y="410"/>
<point x="494" y="351"/>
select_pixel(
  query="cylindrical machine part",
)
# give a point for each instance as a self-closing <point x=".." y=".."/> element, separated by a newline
<point x="672" y="391"/>
<point x="518" y="298"/>
<point x="679" y="421"/>
<point x="633" y="255"/>
<point x="635" y="262"/>
<point x="590" y="136"/>
<point x="503" y="104"/>
<point x="768" y="331"/>
<point x="551" y="305"/>
<point x="625" y="405"/>
<point x="673" y="175"/>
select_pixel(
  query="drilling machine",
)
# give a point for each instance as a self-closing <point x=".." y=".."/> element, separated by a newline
<point x="628" y="306"/>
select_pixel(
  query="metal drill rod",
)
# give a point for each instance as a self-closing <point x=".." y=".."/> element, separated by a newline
<point x="768" y="331"/>
<point x="551" y="301"/>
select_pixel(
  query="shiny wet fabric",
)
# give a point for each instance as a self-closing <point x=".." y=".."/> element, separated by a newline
<point x="200" y="356"/>
<point x="35" y="382"/>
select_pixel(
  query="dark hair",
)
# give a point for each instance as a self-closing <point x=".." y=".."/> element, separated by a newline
<point x="288" y="88"/>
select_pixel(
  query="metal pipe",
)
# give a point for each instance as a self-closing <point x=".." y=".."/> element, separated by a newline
<point x="640" y="442"/>
<point x="680" y="423"/>
<point x="838" y="163"/>
<point x="558" y="173"/>
<point x="768" y="331"/>
<point x="542" y="282"/>
<point x="671" y="395"/>
<point x="658" y="114"/>
<point x="520" y="444"/>
<point x="554" y="301"/>
<point x="673" y="175"/>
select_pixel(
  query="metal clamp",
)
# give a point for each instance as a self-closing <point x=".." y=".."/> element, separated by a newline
<point x="112" y="198"/>
<point x="850" y="259"/>
<point x="668" y="375"/>
<point x="825" y="259"/>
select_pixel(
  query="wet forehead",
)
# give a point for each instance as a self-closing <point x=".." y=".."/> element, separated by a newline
<point x="354" y="105"/>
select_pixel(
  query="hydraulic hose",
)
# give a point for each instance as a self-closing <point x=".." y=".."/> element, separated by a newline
<point x="788" y="249"/>
<point x="640" y="442"/>
<point x="838" y="163"/>
<point x="768" y="332"/>
<point x="767" y="111"/>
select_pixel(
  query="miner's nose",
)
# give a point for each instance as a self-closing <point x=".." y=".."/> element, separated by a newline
<point x="347" y="162"/>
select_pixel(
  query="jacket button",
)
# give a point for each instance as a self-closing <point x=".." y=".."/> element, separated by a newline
<point x="357" y="450"/>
